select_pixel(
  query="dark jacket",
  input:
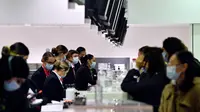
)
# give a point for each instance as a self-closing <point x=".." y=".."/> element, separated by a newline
<point x="70" y="77"/>
<point x="53" y="89"/>
<point x="83" y="77"/>
<point x="39" y="77"/>
<point x="17" y="100"/>
<point x="148" y="89"/>
<point x="77" y="66"/>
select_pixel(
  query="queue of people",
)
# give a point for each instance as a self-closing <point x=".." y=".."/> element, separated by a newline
<point x="167" y="78"/>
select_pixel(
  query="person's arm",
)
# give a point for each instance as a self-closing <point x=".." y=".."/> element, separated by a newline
<point x="161" y="107"/>
<point x="147" y="90"/>
<point x="37" y="79"/>
<point x="49" y="90"/>
<point x="129" y="80"/>
<point x="89" y="77"/>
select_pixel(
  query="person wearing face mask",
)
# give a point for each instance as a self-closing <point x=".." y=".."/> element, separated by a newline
<point x="17" y="49"/>
<point x="53" y="87"/>
<point x="72" y="59"/>
<point x="84" y="74"/>
<point x="81" y="53"/>
<point x="60" y="52"/>
<point x="172" y="45"/>
<point x="182" y="94"/>
<point x="15" y="71"/>
<point x="151" y="82"/>
<point x="40" y="75"/>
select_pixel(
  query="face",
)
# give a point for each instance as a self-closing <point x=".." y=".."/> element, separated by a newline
<point x="62" y="72"/>
<point x="165" y="55"/>
<point x="139" y="61"/>
<point x="179" y="68"/>
<point x="74" y="55"/>
<point x="63" y="56"/>
<point x="82" y="54"/>
<point x="13" y="84"/>
<point x="51" y="61"/>
<point x="25" y="57"/>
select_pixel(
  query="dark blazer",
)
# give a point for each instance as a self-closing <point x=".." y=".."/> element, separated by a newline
<point x="83" y="77"/>
<point x="39" y="77"/>
<point x="53" y="89"/>
<point x="70" y="77"/>
<point x="148" y="89"/>
<point x="77" y="66"/>
<point x="94" y="74"/>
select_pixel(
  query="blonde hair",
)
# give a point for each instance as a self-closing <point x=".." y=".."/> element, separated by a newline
<point x="58" y="65"/>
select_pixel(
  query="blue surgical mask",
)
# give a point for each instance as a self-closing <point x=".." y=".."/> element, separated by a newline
<point x="93" y="65"/>
<point x="75" y="60"/>
<point x="165" y="57"/>
<point x="11" y="86"/>
<point x="64" y="58"/>
<point x="171" y="73"/>
<point x="49" y="66"/>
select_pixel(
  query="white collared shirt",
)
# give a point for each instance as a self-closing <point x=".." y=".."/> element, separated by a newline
<point x="59" y="77"/>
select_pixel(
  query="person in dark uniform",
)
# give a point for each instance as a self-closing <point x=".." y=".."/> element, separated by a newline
<point x="15" y="71"/>
<point x="81" y="52"/>
<point x="53" y="85"/>
<point x="72" y="59"/>
<point x="84" y="73"/>
<point x="60" y="52"/>
<point x="152" y="80"/>
<point x="40" y="75"/>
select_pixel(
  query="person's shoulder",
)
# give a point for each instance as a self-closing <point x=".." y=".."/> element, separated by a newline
<point x="196" y="82"/>
<point x="133" y="71"/>
<point x="168" y="87"/>
<point x="38" y="71"/>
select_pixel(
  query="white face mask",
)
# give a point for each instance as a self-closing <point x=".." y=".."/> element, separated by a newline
<point x="171" y="73"/>
<point x="75" y="60"/>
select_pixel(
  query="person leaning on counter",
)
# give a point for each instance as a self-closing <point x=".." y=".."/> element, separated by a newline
<point x="81" y="53"/>
<point x="53" y="85"/>
<point x="40" y="75"/>
<point x="72" y="59"/>
<point x="84" y="74"/>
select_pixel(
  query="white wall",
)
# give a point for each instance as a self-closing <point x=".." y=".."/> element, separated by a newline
<point x="196" y="40"/>
<point x="39" y="12"/>
<point x="163" y="11"/>
<point x="40" y="38"/>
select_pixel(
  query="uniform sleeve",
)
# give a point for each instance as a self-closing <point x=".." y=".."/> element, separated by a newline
<point x="161" y="107"/>
<point x="129" y="80"/>
<point x="49" y="90"/>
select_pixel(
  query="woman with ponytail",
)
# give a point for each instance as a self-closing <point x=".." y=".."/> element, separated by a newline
<point x="84" y="73"/>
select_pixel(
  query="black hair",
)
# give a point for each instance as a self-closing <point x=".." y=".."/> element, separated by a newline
<point x="59" y="50"/>
<point x="188" y="58"/>
<point x="173" y="45"/>
<point x="70" y="53"/>
<point x="46" y="56"/>
<point x="80" y="49"/>
<point x="13" y="66"/>
<point x="84" y="60"/>
<point x="144" y="49"/>
<point x="155" y="61"/>
<point x="5" y="51"/>
<point x="19" y="48"/>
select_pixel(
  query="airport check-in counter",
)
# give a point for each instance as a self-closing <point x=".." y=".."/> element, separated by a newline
<point x="113" y="99"/>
